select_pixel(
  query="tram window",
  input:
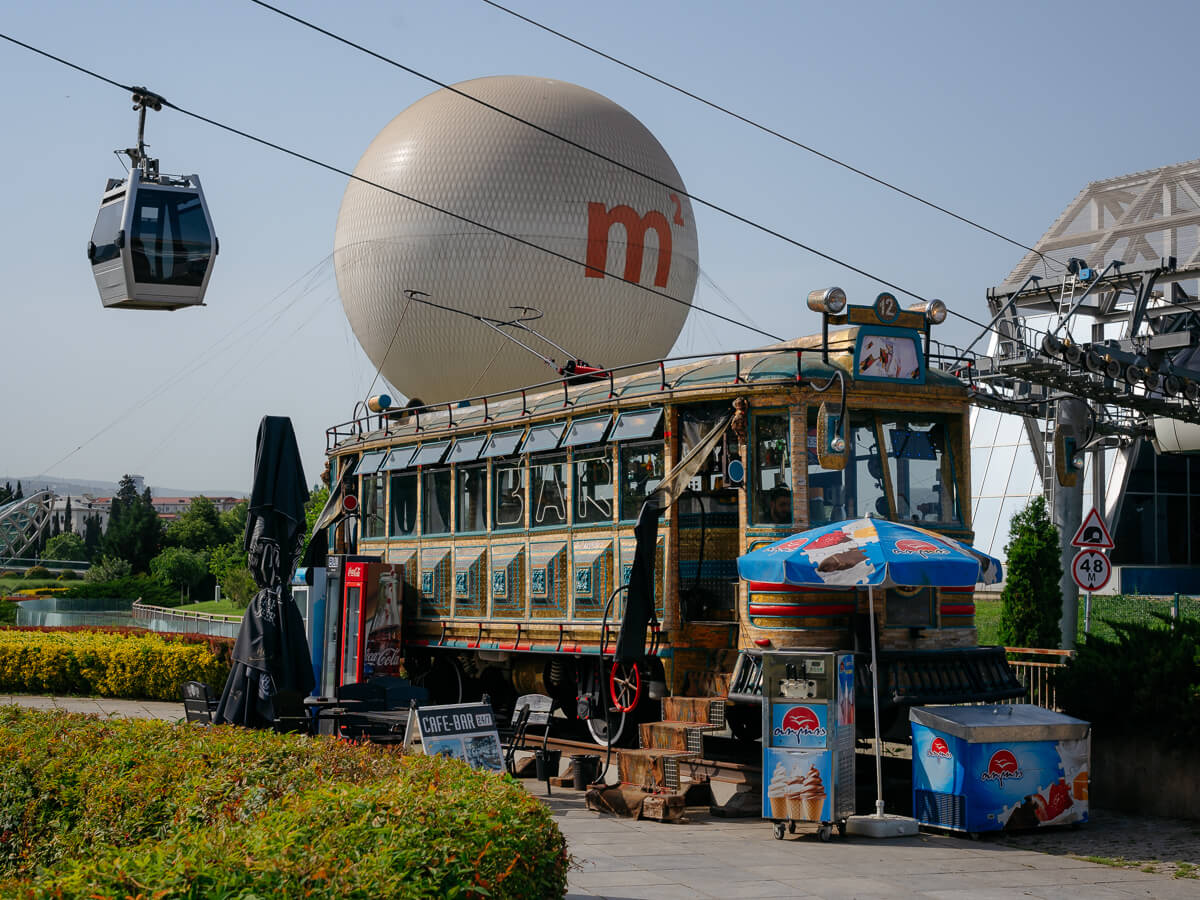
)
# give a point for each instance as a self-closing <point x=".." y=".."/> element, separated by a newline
<point x="858" y="490"/>
<point x="508" y="506"/>
<point x="171" y="242"/>
<point x="771" y="468"/>
<point x="586" y="431"/>
<point x="374" y="525"/>
<point x="641" y="472"/>
<point x="472" y="498"/>
<point x="922" y="471"/>
<point x="404" y="505"/>
<point x="548" y="490"/>
<point x="642" y="423"/>
<point x="104" y="235"/>
<point x="435" y="510"/>
<point x="593" y="487"/>
<point x="542" y="437"/>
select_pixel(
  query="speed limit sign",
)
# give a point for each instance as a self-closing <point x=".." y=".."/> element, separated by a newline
<point x="1091" y="570"/>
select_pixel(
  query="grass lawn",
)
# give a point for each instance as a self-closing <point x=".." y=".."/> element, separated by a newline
<point x="1105" y="609"/>
<point x="223" y="607"/>
<point x="12" y="583"/>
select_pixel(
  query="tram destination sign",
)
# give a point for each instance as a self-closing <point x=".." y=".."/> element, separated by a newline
<point x="465" y="731"/>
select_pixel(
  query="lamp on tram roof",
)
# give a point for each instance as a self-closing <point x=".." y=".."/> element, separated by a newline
<point x="828" y="301"/>
<point x="935" y="311"/>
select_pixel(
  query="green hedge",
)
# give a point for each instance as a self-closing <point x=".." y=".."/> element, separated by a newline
<point x="131" y="808"/>
<point x="150" y="590"/>
<point x="141" y="666"/>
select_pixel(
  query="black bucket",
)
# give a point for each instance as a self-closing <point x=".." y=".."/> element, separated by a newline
<point x="546" y="763"/>
<point x="584" y="770"/>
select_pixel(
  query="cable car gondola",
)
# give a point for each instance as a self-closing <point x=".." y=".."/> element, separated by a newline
<point x="153" y="244"/>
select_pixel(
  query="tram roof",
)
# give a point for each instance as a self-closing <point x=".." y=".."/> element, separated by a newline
<point x="626" y="385"/>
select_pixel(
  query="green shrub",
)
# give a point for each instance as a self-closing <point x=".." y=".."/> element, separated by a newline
<point x="68" y="575"/>
<point x="108" y="568"/>
<point x="1144" y="681"/>
<point x="129" y="587"/>
<point x="141" y="666"/>
<point x="126" y="808"/>
<point x="8" y="612"/>
<point x="37" y="572"/>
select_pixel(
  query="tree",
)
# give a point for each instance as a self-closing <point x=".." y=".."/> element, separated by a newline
<point x="66" y="546"/>
<point x="180" y="567"/>
<point x="198" y="528"/>
<point x="6" y="493"/>
<point x="134" y="530"/>
<point x="1031" y="604"/>
<point x="228" y="564"/>
<point x="108" y="569"/>
<point x="92" y="535"/>
<point x="68" y="525"/>
<point x="233" y="523"/>
<point x="55" y="529"/>
<point x="20" y="494"/>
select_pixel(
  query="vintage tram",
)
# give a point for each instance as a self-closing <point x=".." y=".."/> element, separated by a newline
<point x="486" y="542"/>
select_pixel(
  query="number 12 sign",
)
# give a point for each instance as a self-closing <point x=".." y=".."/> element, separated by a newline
<point x="1091" y="570"/>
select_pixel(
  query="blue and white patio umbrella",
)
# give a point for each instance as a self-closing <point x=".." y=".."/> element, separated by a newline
<point x="869" y="553"/>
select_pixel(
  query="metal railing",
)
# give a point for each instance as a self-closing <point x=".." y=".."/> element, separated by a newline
<point x="161" y="618"/>
<point x="1036" y="669"/>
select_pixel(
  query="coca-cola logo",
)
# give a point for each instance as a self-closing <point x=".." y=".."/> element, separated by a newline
<point x="1002" y="765"/>
<point x="354" y="570"/>
<point x="384" y="656"/>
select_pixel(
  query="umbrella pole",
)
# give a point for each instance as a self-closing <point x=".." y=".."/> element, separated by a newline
<point x="875" y="706"/>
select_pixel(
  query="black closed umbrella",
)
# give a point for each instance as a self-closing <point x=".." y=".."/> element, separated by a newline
<point x="272" y="669"/>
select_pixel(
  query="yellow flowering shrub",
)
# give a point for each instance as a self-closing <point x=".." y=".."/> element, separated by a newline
<point x="134" y="666"/>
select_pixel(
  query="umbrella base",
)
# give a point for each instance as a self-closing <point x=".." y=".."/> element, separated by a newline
<point x="881" y="826"/>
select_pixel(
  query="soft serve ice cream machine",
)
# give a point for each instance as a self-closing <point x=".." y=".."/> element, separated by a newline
<point x="808" y="739"/>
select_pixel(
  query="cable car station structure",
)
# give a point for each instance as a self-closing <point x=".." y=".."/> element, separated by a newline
<point x="1104" y="355"/>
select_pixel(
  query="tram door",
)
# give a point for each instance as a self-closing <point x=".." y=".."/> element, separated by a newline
<point x="372" y="620"/>
<point x="708" y="523"/>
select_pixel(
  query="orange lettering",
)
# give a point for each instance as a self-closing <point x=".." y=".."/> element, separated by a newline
<point x="600" y="223"/>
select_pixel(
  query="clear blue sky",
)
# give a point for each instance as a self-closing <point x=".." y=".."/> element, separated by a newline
<point x="1001" y="112"/>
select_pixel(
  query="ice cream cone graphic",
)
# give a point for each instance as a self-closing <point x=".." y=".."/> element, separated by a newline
<point x="813" y="807"/>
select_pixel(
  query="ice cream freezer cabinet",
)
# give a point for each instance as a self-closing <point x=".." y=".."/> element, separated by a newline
<point x="1009" y="767"/>
<point x="808" y="739"/>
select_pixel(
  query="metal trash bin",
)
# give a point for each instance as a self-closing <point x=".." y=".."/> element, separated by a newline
<point x="1009" y="767"/>
<point x="584" y="769"/>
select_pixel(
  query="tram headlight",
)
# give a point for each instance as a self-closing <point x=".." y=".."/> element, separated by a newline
<point x="935" y="312"/>
<point x="379" y="403"/>
<point x="827" y="301"/>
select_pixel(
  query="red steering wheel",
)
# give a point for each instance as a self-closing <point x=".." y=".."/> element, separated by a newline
<point x="625" y="686"/>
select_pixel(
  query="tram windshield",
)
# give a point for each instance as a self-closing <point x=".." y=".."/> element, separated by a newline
<point x="919" y="469"/>
<point x="171" y="241"/>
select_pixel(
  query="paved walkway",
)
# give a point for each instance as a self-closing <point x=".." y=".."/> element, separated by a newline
<point x="739" y="858"/>
<point x="101" y="706"/>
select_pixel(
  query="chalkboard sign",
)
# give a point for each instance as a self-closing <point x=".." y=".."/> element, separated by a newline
<point x="465" y="731"/>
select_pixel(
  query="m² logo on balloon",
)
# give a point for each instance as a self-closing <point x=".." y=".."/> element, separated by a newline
<point x="939" y="749"/>
<point x="601" y="220"/>
<point x="799" y="721"/>
<point x="1002" y="765"/>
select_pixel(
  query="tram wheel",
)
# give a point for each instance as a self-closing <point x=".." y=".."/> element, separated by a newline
<point x="625" y="686"/>
<point x="599" y="730"/>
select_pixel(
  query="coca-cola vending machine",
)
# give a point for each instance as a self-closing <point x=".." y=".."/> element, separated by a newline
<point x="371" y="642"/>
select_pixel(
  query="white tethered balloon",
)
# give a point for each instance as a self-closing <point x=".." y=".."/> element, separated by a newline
<point x="477" y="163"/>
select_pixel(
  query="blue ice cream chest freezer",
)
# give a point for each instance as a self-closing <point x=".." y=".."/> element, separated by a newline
<point x="1010" y="767"/>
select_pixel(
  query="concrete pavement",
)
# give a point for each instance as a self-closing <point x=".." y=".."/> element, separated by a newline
<point x="707" y="857"/>
<point x="100" y="706"/>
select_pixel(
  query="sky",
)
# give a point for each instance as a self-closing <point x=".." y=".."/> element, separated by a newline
<point x="1000" y="112"/>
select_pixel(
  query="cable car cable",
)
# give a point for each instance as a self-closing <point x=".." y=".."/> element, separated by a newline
<point x="768" y="130"/>
<point x="491" y="229"/>
<point x="706" y="203"/>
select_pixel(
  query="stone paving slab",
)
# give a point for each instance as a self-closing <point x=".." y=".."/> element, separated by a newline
<point x="104" y="707"/>
<point x="707" y="857"/>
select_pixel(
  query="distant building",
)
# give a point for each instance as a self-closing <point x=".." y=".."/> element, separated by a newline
<point x="82" y="507"/>
<point x="168" y="508"/>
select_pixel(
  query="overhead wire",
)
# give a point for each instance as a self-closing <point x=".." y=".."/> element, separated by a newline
<point x="768" y="130"/>
<point x="468" y="220"/>
<point x="299" y="20"/>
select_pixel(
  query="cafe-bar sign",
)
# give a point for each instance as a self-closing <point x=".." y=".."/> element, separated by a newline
<point x="465" y="731"/>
